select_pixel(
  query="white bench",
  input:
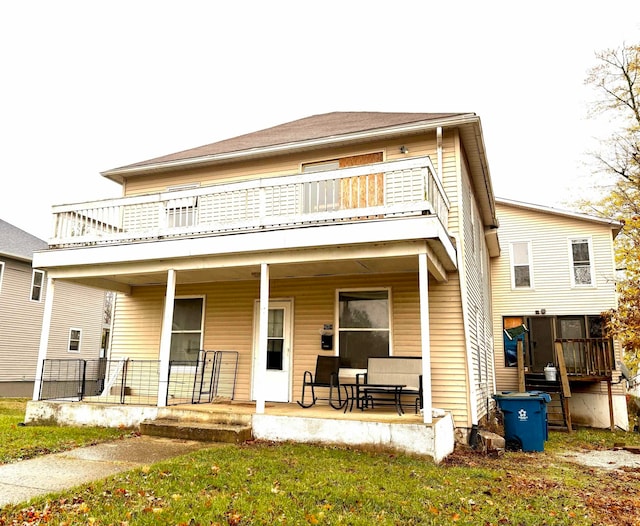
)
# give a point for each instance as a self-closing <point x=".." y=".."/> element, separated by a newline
<point x="390" y="378"/>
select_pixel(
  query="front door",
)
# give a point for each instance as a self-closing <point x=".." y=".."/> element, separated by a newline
<point x="278" y="373"/>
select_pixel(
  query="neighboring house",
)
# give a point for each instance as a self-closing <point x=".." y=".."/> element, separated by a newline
<point x="553" y="280"/>
<point x="75" y="321"/>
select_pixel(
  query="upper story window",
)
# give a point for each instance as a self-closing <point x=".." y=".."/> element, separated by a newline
<point x="343" y="193"/>
<point x="521" y="268"/>
<point x="75" y="335"/>
<point x="321" y="196"/>
<point x="182" y="211"/>
<point x="1" y="274"/>
<point x="581" y="262"/>
<point x="37" y="285"/>
<point x="363" y="326"/>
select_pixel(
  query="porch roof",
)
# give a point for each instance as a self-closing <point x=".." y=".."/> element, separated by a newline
<point x="365" y="247"/>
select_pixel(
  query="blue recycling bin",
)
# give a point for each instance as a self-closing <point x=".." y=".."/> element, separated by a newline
<point x="525" y="419"/>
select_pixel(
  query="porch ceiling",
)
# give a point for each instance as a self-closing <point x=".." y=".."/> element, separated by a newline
<point x="325" y="268"/>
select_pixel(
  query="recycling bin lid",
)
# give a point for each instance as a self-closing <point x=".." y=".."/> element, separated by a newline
<point x="526" y="395"/>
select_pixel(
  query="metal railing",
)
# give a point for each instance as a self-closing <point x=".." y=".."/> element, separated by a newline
<point x="588" y="356"/>
<point x="393" y="188"/>
<point x="135" y="382"/>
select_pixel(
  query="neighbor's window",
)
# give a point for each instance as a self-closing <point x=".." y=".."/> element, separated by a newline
<point x="582" y="269"/>
<point x="37" y="285"/>
<point x="363" y="326"/>
<point x="521" y="275"/>
<point x="75" y="335"/>
<point x="186" y="329"/>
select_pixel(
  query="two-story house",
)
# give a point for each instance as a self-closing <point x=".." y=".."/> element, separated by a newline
<point x="554" y="279"/>
<point x="74" y="322"/>
<point x="260" y="245"/>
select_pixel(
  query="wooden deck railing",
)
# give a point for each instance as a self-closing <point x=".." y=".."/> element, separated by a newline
<point x="588" y="357"/>
<point x="394" y="188"/>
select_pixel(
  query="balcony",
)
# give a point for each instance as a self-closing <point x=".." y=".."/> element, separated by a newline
<point x="408" y="187"/>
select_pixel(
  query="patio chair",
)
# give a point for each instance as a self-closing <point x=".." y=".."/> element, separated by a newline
<point x="326" y="375"/>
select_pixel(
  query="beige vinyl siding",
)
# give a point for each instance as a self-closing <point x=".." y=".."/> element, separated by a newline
<point x="20" y="323"/>
<point x="549" y="235"/>
<point x="288" y="164"/>
<point x="229" y="325"/>
<point x="478" y="285"/>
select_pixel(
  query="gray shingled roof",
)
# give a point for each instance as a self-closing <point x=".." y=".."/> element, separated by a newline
<point x="306" y="129"/>
<point x="18" y="244"/>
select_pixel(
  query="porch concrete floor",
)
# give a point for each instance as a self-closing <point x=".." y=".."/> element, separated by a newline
<point x="320" y="410"/>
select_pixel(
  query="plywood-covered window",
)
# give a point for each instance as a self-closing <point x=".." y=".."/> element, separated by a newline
<point x="350" y="192"/>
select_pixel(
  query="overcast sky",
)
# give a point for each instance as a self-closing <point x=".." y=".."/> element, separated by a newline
<point x="91" y="85"/>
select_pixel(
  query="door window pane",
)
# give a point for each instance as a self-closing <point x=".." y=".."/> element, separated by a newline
<point x="275" y="340"/>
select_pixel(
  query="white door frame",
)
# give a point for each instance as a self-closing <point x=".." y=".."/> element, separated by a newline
<point x="287" y="372"/>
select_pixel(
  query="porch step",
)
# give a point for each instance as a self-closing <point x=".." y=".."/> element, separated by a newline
<point x="197" y="430"/>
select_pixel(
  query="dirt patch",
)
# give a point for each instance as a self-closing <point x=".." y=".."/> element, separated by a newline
<point x="617" y="458"/>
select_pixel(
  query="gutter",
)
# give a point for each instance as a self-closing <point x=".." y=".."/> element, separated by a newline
<point x="118" y="173"/>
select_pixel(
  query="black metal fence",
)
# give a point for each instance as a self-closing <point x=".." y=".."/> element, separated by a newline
<point x="127" y="381"/>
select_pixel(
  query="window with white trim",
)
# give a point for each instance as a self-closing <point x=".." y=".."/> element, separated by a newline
<point x="75" y="336"/>
<point x="37" y="285"/>
<point x="521" y="268"/>
<point x="363" y="326"/>
<point x="581" y="262"/>
<point x="187" y="329"/>
<point x="321" y="196"/>
<point x="182" y="211"/>
<point x="1" y="273"/>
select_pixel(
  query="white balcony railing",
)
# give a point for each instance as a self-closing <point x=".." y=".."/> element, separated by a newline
<point x="395" y="188"/>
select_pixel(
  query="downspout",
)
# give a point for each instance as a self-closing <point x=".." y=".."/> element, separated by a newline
<point x="439" y="151"/>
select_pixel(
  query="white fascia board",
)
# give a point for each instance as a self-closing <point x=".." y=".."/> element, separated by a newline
<point x="117" y="173"/>
<point x="254" y="243"/>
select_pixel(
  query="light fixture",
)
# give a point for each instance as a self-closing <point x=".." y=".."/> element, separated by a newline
<point x="404" y="149"/>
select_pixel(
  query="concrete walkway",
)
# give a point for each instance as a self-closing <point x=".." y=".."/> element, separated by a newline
<point x="20" y="481"/>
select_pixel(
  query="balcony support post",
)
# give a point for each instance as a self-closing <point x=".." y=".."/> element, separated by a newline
<point x="425" y="338"/>
<point x="165" y="338"/>
<point x="261" y="362"/>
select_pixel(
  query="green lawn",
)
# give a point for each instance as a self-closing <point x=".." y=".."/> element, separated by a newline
<point x="264" y="483"/>
<point x="18" y="442"/>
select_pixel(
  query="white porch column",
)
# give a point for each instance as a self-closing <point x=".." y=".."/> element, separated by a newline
<point x="44" y="335"/>
<point x="261" y="362"/>
<point x="165" y="339"/>
<point x="425" y="338"/>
